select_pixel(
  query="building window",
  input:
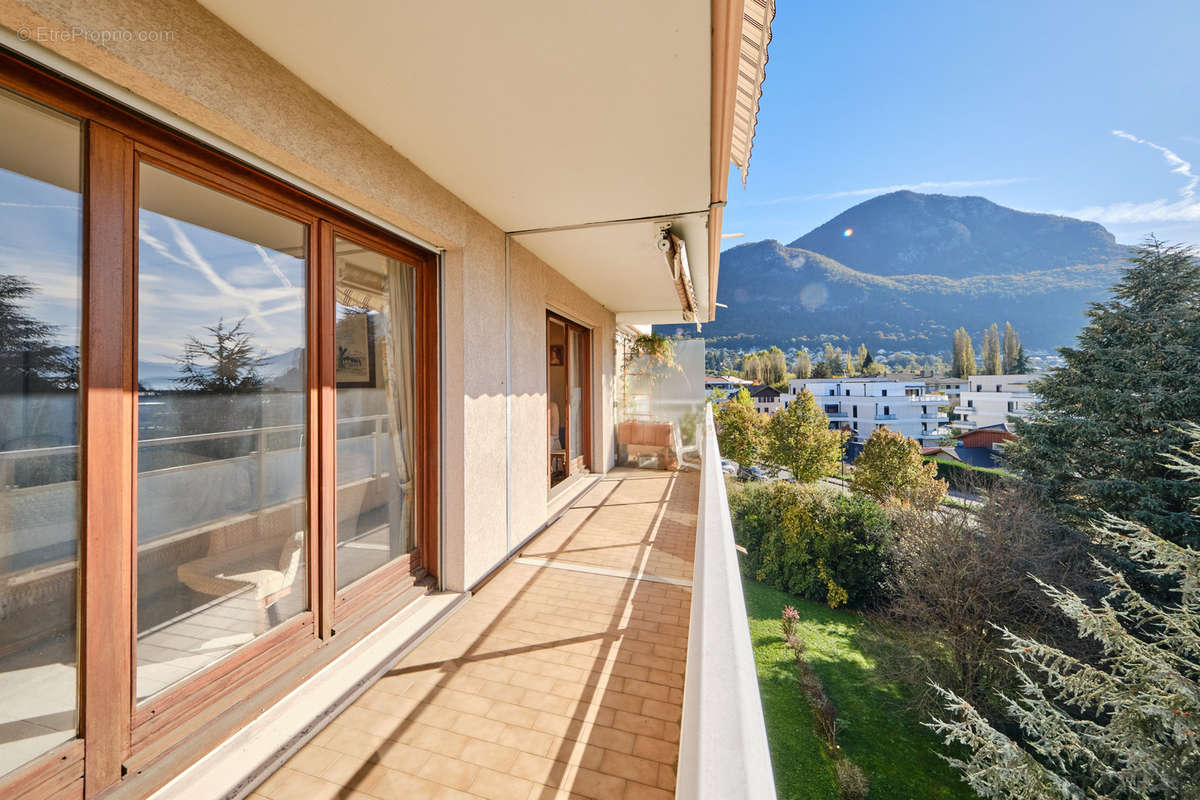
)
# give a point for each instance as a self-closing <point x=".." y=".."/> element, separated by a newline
<point x="41" y="237"/>
<point x="887" y="410"/>
<point x="885" y="392"/>
<point x="979" y="387"/>
<point x="970" y="404"/>
<point x="376" y="395"/>
<point x="855" y="409"/>
<point x="222" y="364"/>
<point x="847" y="393"/>
<point x="998" y="387"/>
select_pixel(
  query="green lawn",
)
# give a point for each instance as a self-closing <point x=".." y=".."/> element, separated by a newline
<point x="881" y="732"/>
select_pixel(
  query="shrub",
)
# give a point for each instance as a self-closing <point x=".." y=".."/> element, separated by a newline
<point x="852" y="782"/>
<point x="808" y="542"/>
<point x="958" y="571"/>
<point x="966" y="478"/>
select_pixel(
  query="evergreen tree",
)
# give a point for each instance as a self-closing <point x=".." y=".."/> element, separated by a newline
<point x="867" y="363"/>
<point x="1126" y="728"/>
<point x="1012" y="349"/>
<point x="862" y="358"/>
<point x="821" y="370"/>
<point x="992" y="364"/>
<point x="31" y="360"/>
<point x="803" y="365"/>
<point x="1092" y="443"/>
<point x="891" y="468"/>
<point x="740" y="429"/>
<point x="1021" y="365"/>
<point x="800" y="441"/>
<point x="227" y="363"/>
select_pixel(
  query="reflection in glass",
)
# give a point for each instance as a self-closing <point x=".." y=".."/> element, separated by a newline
<point x="221" y="415"/>
<point x="40" y="276"/>
<point x="375" y="363"/>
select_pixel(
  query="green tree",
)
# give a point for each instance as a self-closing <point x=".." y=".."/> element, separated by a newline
<point x="803" y="366"/>
<point x="1125" y="728"/>
<point x="31" y="359"/>
<point x="1091" y="444"/>
<point x="963" y="355"/>
<point x="992" y="361"/>
<point x="751" y="367"/>
<point x="774" y="366"/>
<point x="800" y="441"/>
<point x="740" y="429"/>
<point x="226" y="363"/>
<point x="862" y="358"/>
<point x="821" y="370"/>
<point x="891" y="468"/>
<point x="1012" y="348"/>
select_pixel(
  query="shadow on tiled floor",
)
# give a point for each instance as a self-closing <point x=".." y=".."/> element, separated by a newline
<point x="558" y="678"/>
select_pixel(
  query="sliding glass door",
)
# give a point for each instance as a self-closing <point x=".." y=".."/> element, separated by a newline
<point x="568" y="406"/>
<point x="218" y="439"/>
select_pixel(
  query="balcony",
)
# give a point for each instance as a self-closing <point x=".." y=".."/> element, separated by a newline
<point x="837" y="415"/>
<point x="879" y="417"/>
<point x="583" y="668"/>
<point x="937" y="417"/>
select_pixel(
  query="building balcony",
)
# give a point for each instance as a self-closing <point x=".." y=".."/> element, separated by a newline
<point x="885" y="417"/>
<point x="837" y="415"/>
<point x="939" y="417"/>
<point x="965" y="409"/>
<point x="577" y="670"/>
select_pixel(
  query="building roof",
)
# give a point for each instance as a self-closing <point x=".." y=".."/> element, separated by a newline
<point x="764" y="391"/>
<point x="1002" y="427"/>
<point x="937" y="452"/>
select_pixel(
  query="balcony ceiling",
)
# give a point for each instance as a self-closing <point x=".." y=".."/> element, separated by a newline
<point x="538" y="114"/>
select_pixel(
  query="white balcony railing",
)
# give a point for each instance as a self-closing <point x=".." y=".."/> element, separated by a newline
<point x="723" y="751"/>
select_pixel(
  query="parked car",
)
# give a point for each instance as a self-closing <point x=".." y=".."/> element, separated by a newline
<point x="729" y="467"/>
<point x="752" y="474"/>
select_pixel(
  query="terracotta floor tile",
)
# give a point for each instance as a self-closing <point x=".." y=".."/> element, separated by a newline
<point x="549" y="683"/>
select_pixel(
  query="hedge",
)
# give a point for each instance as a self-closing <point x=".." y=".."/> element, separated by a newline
<point x="965" y="477"/>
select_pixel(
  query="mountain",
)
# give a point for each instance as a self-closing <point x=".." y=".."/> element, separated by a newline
<point x="905" y="233"/>
<point x="915" y="268"/>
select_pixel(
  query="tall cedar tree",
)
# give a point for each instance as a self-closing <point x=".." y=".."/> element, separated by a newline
<point x="740" y="429"/>
<point x="991" y="352"/>
<point x="225" y="364"/>
<point x="800" y="441"/>
<point x="1126" y="727"/>
<point x="31" y="360"/>
<point x="1092" y="443"/>
<point x="890" y="469"/>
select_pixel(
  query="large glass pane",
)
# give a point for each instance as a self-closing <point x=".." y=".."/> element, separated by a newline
<point x="221" y="425"/>
<point x="376" y="372"/>
<point x="575" y="383"/>
<point x="41" y="236"/>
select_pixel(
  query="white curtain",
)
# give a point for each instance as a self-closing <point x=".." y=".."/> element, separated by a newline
<point x="400" y="377"/>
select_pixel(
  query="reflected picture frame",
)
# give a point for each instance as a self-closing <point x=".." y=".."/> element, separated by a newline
<point x="556" y="355"/>
<point x="354" y="350"/>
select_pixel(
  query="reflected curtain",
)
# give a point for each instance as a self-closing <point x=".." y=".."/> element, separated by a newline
<point x="400" y="372"/>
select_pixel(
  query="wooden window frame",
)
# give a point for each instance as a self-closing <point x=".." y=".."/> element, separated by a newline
<point x="119" y="739"/>
<point x="586" y="377"/>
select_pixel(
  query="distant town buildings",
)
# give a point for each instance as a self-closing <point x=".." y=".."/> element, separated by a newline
<point x="988" y="400"/>
<point x="863" y="405"/>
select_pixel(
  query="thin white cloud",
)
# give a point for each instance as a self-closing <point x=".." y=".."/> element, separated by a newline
<point x="1186" y="209"/>
<point x="1178" y="165"/>
<point x="924" y="186"/>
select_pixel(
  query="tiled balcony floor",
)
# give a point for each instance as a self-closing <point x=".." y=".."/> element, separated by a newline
<point x="557" y="679"/>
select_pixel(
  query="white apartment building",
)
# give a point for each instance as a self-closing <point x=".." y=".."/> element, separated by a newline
<point x="863" y="405"/>
<point x="992" y="399"/>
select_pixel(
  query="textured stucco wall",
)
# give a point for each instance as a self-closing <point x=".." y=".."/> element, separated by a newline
<point x="215" y="79"/>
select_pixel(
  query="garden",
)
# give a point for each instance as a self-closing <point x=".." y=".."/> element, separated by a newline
<point x="1042" y="643"/>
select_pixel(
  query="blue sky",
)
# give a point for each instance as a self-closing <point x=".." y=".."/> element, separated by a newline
<point x="1091" y="109"/>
